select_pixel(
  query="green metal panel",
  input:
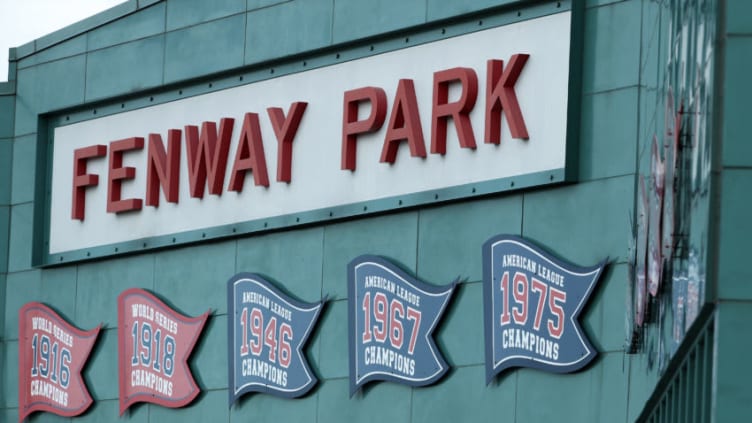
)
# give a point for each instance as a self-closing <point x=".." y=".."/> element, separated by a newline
<point x="385" y="402"/>
<point x="292" y="27"/>
<point x="604" y="318"/>
<point x="212" y="407"/>
<point x="21" y="237"/>
<point x="611" y="58"/>
<point x="463" y="396"/>
<point x="268" y="408"/>
<point x="3" y="296"/>
<point x="7" y="112"/>
<point x="100" y="283"/>
<point x="72" y="47"/>
<point x="108" y="411"/>
<point x="186" y="13"/>
<point x="441" y="9"/>
<point x="608" y="147"/>
<point x="6" y="167"/>
<point x="9" y="375"/>
<point x="258" y="4"/>
<point x="47" y="87"/>
<point x="732" y="370"/>
<point x="24" y="160"/>
<point x="125" y="68"/>
<point x="356" y="19"/>
<point x="737" y="150"/>
<point x="332" y="360"/>
<point x="102" y="378"/>
<point x="209" y="357"/>
<point x="142" y="24"/>
<point x="86" y="24"/>
<point x="196" y="51"/>
<point x="735" y="227"/>
<point x="194" y="279"/>
<point x="58" y="290"/>
<point x="455" y="233"/>
<point x="393" y="235"/>
<point x="21" y="287"/>
<point x="592" y="214"/>
<point x="293" y="259"/>
<point x="737" y="17"/>
<point x="460" y="334"/>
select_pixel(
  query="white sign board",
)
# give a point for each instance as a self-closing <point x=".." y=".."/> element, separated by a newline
<point x="318" y="180"/>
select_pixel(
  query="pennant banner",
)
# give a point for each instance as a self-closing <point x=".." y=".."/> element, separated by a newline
<point x="267" y="331"/>
<point x="51" y="354"/>
<point x="154" y="344"/>
<point x="392" y="316"/>
<point x="532" y="302"/>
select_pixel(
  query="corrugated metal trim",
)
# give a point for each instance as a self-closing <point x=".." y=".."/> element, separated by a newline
<point x="684" y="393"/>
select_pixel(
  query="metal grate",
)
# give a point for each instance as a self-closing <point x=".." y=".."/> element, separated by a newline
<point x="683" y="395"/>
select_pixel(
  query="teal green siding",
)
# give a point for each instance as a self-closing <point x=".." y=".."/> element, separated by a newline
<point x="142" y="45"/>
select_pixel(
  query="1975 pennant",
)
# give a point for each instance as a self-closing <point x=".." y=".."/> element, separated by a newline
<point x="532" y="303"/>
<point x="51" y="354"/>
<point x="392" y="317"/>
<point x="155" y="342"/>
<point x="266" y="332"/>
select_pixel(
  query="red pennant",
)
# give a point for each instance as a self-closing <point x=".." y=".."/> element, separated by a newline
<point x="51" y="354"/>
<point x="154" y="345"/>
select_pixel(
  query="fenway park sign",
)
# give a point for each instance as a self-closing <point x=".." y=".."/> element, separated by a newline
<point x="465" y="115"/>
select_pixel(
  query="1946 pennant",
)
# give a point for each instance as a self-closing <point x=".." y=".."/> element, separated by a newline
<point x="267" y="331"/>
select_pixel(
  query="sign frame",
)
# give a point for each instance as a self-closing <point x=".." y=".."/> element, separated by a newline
<point x="261" y="72"/>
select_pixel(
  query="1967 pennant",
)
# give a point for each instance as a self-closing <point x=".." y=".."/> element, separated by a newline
<point x="532" y="304"/>
<point x="392" y="317"/>
<point x="154" y="343"/>
<point x="51" y="354"/>
<point x="267" y="332"/>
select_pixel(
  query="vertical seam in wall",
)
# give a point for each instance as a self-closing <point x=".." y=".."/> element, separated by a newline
<point x="245" y="34"/>
<point x="417" y="246"/>
<point x="75" y="295"/>
<point x="516" y="389"/>
<point x="331" y="26"/>
<point x="323" y="258"/>
<point x="629" y="382"/>
<point x="522" y="214"/>
<point x="164" y="46"/>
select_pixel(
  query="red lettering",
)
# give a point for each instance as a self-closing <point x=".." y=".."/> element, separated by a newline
<point x="163" y="169"/>
<point x="459" y="110"/>
<point x="285" y="130"/>
<point x="404" y="124"/>
<point x="352" y="127"/>
<point x="117" y="173"/>
<point x="81" y="179"/>
<point x="250" y="155"/>
<point x="207" y="156"/>
<point x="501" y="98"/>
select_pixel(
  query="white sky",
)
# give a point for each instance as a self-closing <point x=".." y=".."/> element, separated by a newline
<point x="22" y="21"/>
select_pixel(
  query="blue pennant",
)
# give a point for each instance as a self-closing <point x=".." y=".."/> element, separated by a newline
<point x="392" y="316"/>
<point x="267" y="331"/>
<point x="532" y="303"/>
